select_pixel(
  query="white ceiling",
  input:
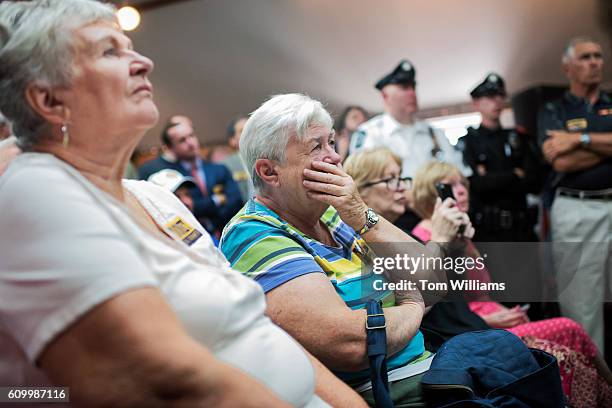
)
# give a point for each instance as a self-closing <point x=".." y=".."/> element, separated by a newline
<point x="218" y="58"/>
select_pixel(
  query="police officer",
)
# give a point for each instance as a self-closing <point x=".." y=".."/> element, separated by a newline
<point x="397" y="128"/>
<point x="505" y="169"/>
<point x="576" y="138"/>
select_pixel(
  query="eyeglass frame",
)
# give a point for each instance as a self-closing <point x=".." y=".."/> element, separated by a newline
<point x="388" y="179"/>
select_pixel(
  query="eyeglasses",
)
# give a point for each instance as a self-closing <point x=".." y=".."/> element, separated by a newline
<point x="393" y="183"/>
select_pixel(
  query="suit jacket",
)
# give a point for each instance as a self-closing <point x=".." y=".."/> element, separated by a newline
<point x="204" y="206"/>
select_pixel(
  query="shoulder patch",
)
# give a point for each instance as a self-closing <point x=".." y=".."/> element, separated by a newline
<point x="460" y="144"/>
<point x="359" y="138"/>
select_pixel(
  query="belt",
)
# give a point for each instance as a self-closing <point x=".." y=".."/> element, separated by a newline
<point x="585" y="194"/>
<point x="499" y="218"/>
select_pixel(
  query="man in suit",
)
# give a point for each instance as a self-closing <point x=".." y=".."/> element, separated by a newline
<point x="216" y="195"/>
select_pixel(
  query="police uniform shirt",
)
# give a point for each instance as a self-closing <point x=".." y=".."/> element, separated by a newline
<point x="575" y="114"/>
<point x="500" y="151"/>
<point x="412" y="143"/>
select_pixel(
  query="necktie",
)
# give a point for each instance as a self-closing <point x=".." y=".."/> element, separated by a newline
<point x="198" y="179"/>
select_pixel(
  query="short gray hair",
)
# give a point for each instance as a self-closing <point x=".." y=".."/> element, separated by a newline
<point x="269" y="128"/>
<point x="36" y="46"/>
<point x="570" y="47"/>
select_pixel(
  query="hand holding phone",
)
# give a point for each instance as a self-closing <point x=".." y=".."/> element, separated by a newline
<point x="446" y="191"/>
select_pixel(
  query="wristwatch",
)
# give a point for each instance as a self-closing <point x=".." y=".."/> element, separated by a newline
<point x="585" y="140"/>
<point x="371" y="220"/>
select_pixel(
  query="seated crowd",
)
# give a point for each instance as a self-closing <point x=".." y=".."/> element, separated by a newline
<point x="257" y="282"/>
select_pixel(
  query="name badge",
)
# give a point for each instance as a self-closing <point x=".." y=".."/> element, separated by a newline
<point x="576" y="124"/>
<point x="507" y="150"/>
<point x="183" y="231"/>
<point x="240" y="175"/>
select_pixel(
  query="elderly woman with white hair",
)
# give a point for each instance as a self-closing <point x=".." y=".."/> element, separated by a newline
<point x="305" y="238"/>
<point x="113" y="288"/>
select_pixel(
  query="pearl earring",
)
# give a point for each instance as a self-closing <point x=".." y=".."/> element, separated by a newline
<point x="65" y="135"/>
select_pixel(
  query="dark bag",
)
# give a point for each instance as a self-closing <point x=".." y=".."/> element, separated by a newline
<point x="377" y="353"/>
<point x="492" y="368"/>
<point x="447" y="319"/>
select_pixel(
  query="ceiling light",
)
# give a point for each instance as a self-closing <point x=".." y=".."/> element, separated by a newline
<point x="129" y="18"/>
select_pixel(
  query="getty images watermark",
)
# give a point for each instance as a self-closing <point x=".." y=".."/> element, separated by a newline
<point x="513" y="272"/>
<point x="405" y="264"/>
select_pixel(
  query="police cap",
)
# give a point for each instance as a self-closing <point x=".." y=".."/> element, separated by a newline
<point x="492" y="85"/>
<point x="404" y="73"/>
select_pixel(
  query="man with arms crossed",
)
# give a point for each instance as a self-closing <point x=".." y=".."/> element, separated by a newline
<point x="575" y="133"/>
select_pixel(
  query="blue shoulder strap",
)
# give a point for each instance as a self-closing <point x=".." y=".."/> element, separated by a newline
<point x="377" y="353"/>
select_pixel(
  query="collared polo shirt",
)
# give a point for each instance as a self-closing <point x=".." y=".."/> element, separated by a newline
<point x="575" y="114"/>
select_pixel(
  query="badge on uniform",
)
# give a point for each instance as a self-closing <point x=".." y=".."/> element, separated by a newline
<point x="604" y="112"/>
<point x="406" y="66"/>
<point x="576" y="124"/>
<point x="183" y="231"/>
<point x="460" y="146"/>
<point x="514" y="140"/>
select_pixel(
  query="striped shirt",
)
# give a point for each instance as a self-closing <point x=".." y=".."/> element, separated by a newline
<point x="258" y="243"/>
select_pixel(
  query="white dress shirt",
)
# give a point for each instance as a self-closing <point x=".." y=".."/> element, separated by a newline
<point x="412" y="143"/>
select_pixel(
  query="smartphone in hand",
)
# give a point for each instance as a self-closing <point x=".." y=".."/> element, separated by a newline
<point x="446" y="191"/>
